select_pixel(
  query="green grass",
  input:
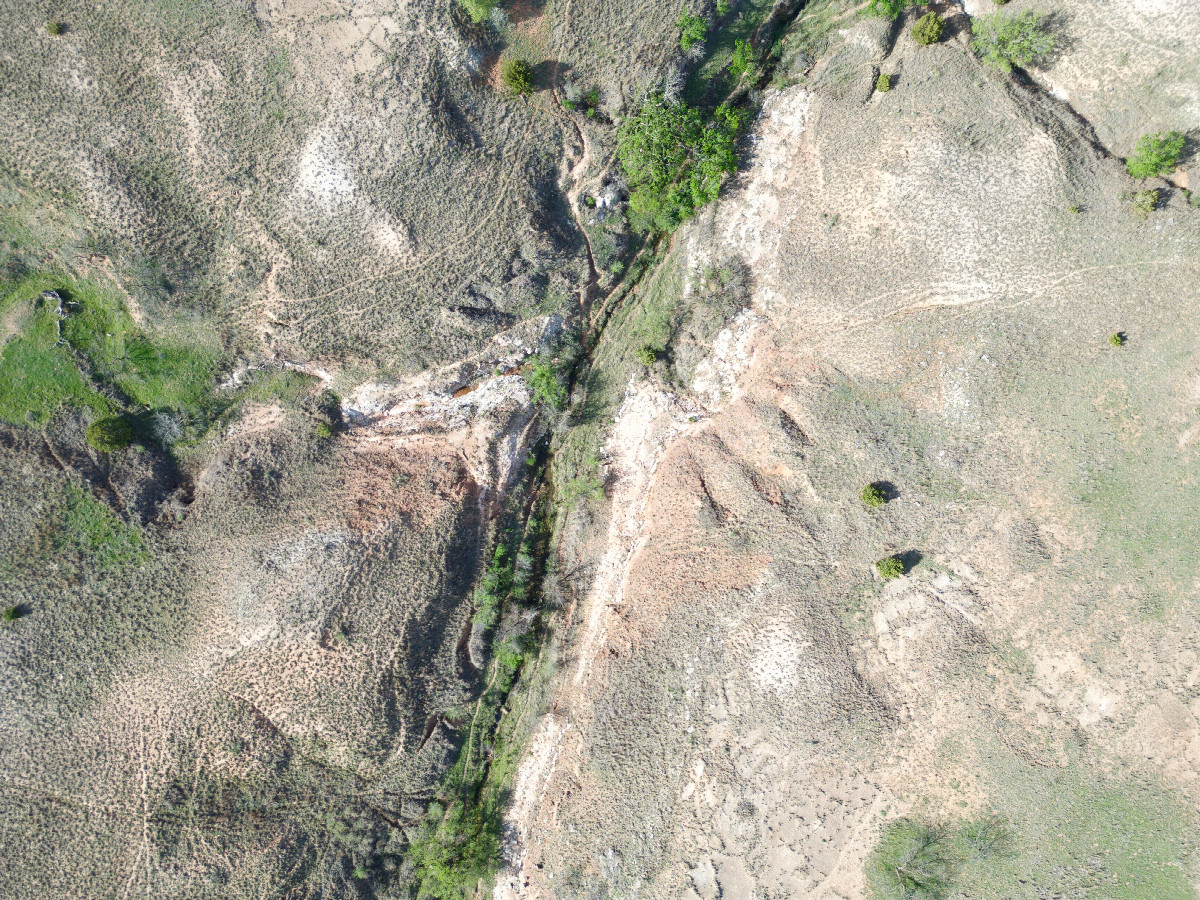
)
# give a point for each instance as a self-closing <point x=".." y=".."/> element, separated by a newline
<point x="38" y="376"/>
<point x="100" y="361"/>
<point x="93" y="530"/>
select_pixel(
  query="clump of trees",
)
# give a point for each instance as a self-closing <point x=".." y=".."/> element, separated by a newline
<point x="543" y="380"/>
<point x="674" y="160"/>
<point x="1155" y="154"/>
<point x="1008" y="42"/>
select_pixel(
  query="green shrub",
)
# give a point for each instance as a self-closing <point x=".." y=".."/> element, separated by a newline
<point x="743" y="58"/>
<point x="517" y="76"/>
<point x="11" y="613"/>
<point x="873" y="496"/>
<point x="722" y="7"/>
<point x="890" y="567"/>
<point x="543" y="380"/>
<point x="691" y="30"/>
<point x="1155" y="154"/>
<point x="1006" y="42"/>
<point x="360" y="873"/>
<point x="54" y="28"/>
<point x="479" y="10"/>
<point x="674" y="161"/>
<point x="647" y="355"/>
<point x="912" y="862"/>
<point x="110" y="434"/>
<point x="1145" y="202"/>
<point x="884" y="84"/>
<point x="1116" y="339"/>
<point x="928" y="29"/>
<point x="323" y="430"/>
<point x="890" y="9"/>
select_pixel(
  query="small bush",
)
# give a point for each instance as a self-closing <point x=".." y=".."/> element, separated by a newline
<point x="323" y="430"/>
<point x="873" y="496"/>
<point x="722" y="7"/>
<point x="11" y="613"/>
<point x="54" y="28"/>
<point x="543" y="380"/>
<point x="647" y="355"/>
<point x="691" y="30"/>
<point x="479" y="10"/>
<point x="1006" y="42"/>
<point x="1145" y="202"/>
<point x="360" y="873"/>
<point x="889" y="9"/>
<point x="109" y="435"/>
<point x="1155" y="154"/>
<point x="517" y="76"/>
<point x="1116" y="339"/>
<point x="890" y="567"/>
<point x="928" y="29"/>
<point x="884" y="84"/>
<point x="743" y="59"/>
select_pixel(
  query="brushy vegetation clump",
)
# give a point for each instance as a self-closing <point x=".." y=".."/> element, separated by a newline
<point x="691" y="30"/>
<point x="517" y="76"/>
<point x="884" y="83"/>
<point x="1155" y="154"/>
<point x="873" y="496"/>
<point x="109" y="434"/>
<point x="11" y="613"/>
<point x="479" y="10"/>
<point x="53" y="27"/>
<point x="890" y="567"/>
<point x="1008" y="42"/>
<point x="544" y="381"/>
<point x="928" y="29"/>
<point x="674" y="160"/>
<point x="1145" y="202"/>
<point x="890" y="9"/>
<point x="1116" y="339"/>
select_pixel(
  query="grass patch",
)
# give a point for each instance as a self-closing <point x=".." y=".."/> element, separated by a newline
<point x="91" y="529"/>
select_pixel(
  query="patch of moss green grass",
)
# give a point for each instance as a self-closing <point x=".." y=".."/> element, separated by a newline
<point x="91" y="529"/>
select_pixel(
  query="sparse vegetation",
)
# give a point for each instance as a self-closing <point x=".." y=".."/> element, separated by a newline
<point x="674" y="161"/>
<point x="1155" y="155"/>
<point x="517" y="76"/>
<point x="109" y="434"/>
<point x="873" y="496"/>
<point x="884" y="83"/>
<point x="479" y="10"/>
<point x="691" y="30"/>
<point x="890" y="567"/>
<point x="928" y="29"/>
<point x="1006" y="42"/>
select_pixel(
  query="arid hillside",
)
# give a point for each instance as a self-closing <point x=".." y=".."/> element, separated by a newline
<point x="599" y="448"/>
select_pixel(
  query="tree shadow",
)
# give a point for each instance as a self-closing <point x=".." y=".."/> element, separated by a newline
<point x="910" y="559"/>
<point x="890" y="491"/>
